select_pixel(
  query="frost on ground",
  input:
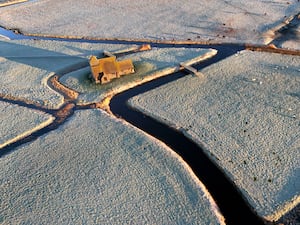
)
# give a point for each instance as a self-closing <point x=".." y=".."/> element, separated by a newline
<point x="285" y="34"/>
<point x="27" y="65"/>
<point x="246" y="115"/>
<point x="215" y="20"/>
<point x="18" y="122"/>
<point x="148" y="65"/>
<point x="97" y="170"/>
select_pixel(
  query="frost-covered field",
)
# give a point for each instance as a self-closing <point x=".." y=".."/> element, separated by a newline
<point x="215" y="20"/>
<point x="37" y="61"/>
<point x="17" y="122"/>
<point x="98" y="170"/>
<point x="148" y="66"/>
<point x="246" y="115"/>
<point x="26" y="66"/>
<point x="94" y="169"/>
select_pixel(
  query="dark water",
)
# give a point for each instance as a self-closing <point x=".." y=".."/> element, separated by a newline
<point x="231" y="203"/>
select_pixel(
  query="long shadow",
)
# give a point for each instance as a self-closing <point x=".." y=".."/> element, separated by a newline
<point x="32" y="56"/>
<point x="289" y="32"/>
<point x="230" y="201"/>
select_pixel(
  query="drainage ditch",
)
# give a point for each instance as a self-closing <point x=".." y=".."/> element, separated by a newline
<point x="230" y="201"/>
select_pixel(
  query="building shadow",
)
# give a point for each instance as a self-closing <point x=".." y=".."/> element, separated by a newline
<point x="37" y="57"/>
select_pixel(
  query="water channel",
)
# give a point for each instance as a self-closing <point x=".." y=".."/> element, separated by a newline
<point x="231" y="203"/>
